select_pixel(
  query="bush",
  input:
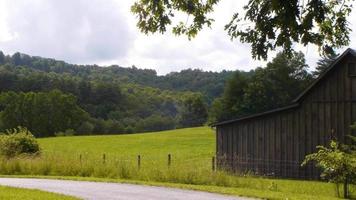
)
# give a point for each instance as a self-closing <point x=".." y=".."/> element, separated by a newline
<point x="18" y="141"/>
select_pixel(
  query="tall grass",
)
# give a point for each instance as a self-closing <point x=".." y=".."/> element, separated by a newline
<point x="195" y="172"/>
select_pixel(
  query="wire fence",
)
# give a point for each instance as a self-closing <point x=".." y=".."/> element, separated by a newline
<point x="235" y="165"/>
<point x="268" y="167"/>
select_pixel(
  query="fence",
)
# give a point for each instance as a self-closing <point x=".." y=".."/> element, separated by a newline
<point x="141" y="160"/>
<point x="265" y="167"/>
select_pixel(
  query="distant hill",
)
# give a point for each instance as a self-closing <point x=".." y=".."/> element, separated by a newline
<point x="117" y="99"/>
<point x="210" y="84"/>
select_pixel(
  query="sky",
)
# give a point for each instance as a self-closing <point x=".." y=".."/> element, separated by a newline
<point x="104" y="32"/>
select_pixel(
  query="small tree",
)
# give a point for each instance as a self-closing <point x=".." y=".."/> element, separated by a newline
<point x="337" y="162"/>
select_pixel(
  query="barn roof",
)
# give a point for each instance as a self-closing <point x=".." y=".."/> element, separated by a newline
<point x="296" y="101"/>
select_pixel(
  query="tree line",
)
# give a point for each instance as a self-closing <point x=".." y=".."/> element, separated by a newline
<point x="52" y="97"/>
<point x="31" y="86"/>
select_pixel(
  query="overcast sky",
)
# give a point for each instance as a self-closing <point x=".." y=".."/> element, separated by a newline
<point x="104" y="32"/>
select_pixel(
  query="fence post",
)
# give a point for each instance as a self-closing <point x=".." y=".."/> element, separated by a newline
<point x="213" y="163"/>
<point x="169" y="160"/>
<point x="139" y="161"/>
<point x="104" y="158"/>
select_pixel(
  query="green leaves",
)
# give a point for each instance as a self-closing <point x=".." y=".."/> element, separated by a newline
<point x="264" y="88"/>
<point x="266" y="25"/>
<point x="18" y="141"/>
<point x="337" y="165"/>
<point x="276" y="23"/>
<point x="155" y="15"/>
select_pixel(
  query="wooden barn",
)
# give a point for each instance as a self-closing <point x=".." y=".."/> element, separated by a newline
<point x="274" y="143"/>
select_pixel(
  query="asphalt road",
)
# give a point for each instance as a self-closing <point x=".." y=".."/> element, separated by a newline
<point x="112" y="191"/>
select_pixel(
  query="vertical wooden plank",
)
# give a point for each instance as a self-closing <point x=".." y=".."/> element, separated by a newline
<point x="240" y="139"/>
<point x="308" y="135"/>
<point x="315" y="127"/>
<point x="348" y="107"/>
<point x="302" y="139"/>
<point x="290" y="147"/>
<point x="234" y="147"/>
<point x="297" y="142"/>
<point x="278" y="145"/>
<point x="272" y="145"/>
<point x="284" y="148"/>
<point x="245" y="147"/>
<point x="265" y="149"/>
<point x="257" y="145"/>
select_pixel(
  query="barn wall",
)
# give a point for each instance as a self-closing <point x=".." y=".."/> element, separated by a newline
<point x="276" y="144"/>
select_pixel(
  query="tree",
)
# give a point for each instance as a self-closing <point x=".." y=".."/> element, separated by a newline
<point x="324" y="63"/>
<point x="337" y="165"/>
<point x="263" y="89"/>
<point x="16" y="58"/>
<point x="194" y="111"/>
<point x="2" y="58"/>
<point x="277" y="84"/>
<point x="42" y="113"/>
<point x="267" y="24"/>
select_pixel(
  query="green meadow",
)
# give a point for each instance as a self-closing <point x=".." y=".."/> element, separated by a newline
<point x="191" y="149"/>
<point x="183" y="145"/>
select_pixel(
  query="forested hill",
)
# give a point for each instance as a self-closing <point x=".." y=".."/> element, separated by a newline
<point x="51" y="97"/>
<point x="210" y="84"/>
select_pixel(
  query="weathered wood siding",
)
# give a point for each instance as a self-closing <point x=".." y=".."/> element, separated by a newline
<point x="275" y="144"/>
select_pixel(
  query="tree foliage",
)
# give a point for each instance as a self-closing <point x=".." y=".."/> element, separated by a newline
<point x="324" y="63"/>
<point x="42" y="113"/>
<point x="266" y="24"/>
<point x="337" y="165"/>
<point x="262" y="89"/>
<point x="194" y="111"/>
<point x="117" y="99"/>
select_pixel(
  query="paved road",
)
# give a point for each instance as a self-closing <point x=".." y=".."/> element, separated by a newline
<point x="112" y="191"/>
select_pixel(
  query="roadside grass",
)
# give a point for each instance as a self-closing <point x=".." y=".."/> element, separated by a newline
<point x="29" y="194"/>
<point x="191" y="150"/>
<point x="286" y="191"/>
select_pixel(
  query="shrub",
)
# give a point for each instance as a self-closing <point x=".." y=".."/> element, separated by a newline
<point x="18" y="141"/>
<point x="336" y="164"/>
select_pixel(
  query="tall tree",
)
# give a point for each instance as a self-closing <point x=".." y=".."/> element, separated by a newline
<point x="277" y="84"/>
<point x="324" y="63"/>
<point x="266" y="24"/>
<point x="2" y="58"/>
<point x="267" y="88"/>
<point x="194" y="111"/>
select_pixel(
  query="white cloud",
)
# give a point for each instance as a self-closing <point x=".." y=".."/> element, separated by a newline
<point x="76" y="31"/>
<point x="104" y="32"/>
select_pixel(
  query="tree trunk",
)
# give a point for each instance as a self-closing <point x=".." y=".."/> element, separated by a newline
<point x="346" y="192"/>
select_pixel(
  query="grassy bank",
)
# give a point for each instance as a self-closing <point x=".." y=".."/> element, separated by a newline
<point x="191" y="151"/>
<point x="26" y="194"/>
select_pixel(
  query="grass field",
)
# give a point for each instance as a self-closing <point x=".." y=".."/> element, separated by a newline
<point x="26" y="194"/>
<point x="183" y="144"/>
<point x="191" y="151"/>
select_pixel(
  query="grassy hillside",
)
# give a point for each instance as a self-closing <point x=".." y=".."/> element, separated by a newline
<point x="182" y="144"/>
<point x="23" y="194"/>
